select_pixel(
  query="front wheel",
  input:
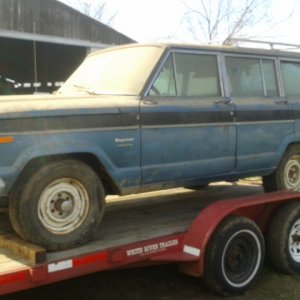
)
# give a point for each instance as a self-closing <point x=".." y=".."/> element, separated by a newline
<point x="234" y="256"/>
<point x="287" y="175"/>
<point x="59" y="206"/>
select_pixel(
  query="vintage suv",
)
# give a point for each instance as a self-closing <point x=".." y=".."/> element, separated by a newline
<point x="143" y="117"/>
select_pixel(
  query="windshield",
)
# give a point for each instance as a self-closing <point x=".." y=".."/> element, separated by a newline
<point x="119" y="71"/>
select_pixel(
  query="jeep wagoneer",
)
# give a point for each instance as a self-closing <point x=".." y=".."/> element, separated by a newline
<point x="143" y="117"/>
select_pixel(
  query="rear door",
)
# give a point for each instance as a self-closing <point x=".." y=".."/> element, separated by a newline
<point x="290" y="69"/>
<point x="187" y="129"/>
<point x="263" y="116"/>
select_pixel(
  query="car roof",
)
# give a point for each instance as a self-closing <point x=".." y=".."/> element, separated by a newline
<point x="213" y="48"/>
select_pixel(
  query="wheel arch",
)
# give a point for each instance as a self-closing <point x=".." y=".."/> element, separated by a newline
<point x="284" y="147"/>
<point x="275" y="180"/>
<point x="88" y="158"/>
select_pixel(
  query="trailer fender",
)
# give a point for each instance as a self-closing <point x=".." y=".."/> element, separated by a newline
<point x="259" y="209"/>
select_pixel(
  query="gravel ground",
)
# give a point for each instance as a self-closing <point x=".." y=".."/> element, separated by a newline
<point x="160" y="282"/>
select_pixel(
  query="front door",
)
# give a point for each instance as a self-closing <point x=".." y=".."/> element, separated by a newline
<point x="187" y="127"/>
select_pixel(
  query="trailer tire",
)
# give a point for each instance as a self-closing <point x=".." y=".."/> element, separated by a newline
<point x="234" y="256"/>
<point x="59" y="206"/>
<point x="283" y="239"/>
<point x="287" y="175"/>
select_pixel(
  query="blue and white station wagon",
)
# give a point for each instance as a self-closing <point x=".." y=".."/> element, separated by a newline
<point x="143" y="117"/>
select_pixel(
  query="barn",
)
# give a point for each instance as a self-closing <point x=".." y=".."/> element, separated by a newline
<point x="42" y="42"/>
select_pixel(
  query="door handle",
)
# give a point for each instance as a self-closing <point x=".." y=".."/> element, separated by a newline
<point x="150" y="102"/>
<point x="223" y="101"/>
<point x="282" y="101"/>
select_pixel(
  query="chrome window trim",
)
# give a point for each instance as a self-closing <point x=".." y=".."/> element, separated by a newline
<point x="174" y="73"/>
<point x="279" y="78"/>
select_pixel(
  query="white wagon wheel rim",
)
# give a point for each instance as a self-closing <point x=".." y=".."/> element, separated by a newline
<point x="63" y="206"/>
<point x="292" y="173"/>
<point x="294" y="241"/>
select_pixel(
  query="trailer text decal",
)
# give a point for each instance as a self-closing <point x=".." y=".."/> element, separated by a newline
<point x="152" y="248"/>
<point x="59" y="266"/>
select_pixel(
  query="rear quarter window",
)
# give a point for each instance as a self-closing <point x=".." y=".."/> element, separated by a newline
<point x="291" y="78"/>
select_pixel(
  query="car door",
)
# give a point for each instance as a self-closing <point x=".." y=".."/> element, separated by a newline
<point x="263" y="116"/>
<point x="290" y="70"/>
<point x="187" y="129"/>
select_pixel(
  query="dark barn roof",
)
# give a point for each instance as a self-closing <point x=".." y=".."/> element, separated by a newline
<point x="53" y="21"/>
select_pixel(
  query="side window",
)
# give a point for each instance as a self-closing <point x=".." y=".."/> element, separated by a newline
<point x="251" y="77"/>
<point x="291" y="78"/>
<point x="197" y="75"/>
<point x="194" y="75"/>
<point x="164" y="84"/>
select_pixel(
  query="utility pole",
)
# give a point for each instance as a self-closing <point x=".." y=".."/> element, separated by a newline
<point x="34" y="60"/>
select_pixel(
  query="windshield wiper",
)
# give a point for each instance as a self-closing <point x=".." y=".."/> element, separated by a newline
<point x="84" y="89"/>
<point x="95" y="92"/>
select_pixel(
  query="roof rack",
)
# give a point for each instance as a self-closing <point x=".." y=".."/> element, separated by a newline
<point x="272" y="45"/>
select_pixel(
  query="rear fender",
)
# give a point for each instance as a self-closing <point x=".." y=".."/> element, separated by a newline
<point x="258" y="208"/>
<point x="287" y="142"/>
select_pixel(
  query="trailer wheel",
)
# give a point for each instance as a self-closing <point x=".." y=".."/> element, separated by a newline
<point x="283" y="239"/>
<point x="234" y="256"/>
<point x="59" y="206"/>
<point x="287" y="175"/>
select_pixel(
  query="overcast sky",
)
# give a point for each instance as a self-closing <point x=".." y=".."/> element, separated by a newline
<point x="161" y="20"/>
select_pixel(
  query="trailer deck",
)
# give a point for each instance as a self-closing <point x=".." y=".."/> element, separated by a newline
<point x="137" y="230"/>
<point x="136" y="218"/>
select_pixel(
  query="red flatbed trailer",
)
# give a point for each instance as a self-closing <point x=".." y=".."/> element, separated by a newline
<point x="160" y="228"/>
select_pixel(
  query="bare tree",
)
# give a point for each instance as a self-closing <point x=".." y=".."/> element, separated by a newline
<point x="96" y="9"/>
<point x="217" y="20"/>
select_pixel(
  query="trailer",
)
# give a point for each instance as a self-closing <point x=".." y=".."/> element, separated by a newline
<point x="210" y="236"/>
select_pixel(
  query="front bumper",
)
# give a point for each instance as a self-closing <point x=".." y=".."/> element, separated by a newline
<point x="3" y="200"/>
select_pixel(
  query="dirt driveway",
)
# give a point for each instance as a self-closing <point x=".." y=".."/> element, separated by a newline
<point x="160" y="282"/>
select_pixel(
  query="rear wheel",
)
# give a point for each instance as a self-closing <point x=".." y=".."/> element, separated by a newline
<point x="283" y="239"/>
<point x="234" y="256"/>
<point x="287" y="175"/>
<point x="59" y="206"/>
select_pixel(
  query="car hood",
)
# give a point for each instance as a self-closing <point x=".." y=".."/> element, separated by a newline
<point x="21" y="106"/>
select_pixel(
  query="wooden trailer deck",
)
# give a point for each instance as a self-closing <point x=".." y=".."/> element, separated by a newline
<point x="128" y="220"/>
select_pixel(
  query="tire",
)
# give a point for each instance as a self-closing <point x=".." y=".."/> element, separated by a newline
<point x="287" y="175"/>
<point x="59" y="206"/>
<point x="283" y="239"/>
<point x="234" y="256"/>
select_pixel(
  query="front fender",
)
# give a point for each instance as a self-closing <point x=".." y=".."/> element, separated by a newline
<point x="120" y="163"/>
